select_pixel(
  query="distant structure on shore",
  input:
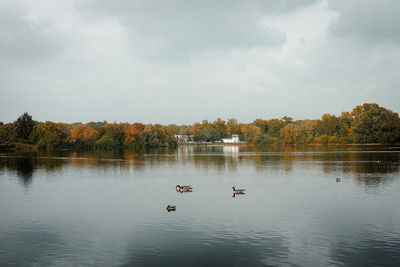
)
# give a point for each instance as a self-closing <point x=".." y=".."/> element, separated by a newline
<point x="233" y="139"/>
<point x="182" y="138"/>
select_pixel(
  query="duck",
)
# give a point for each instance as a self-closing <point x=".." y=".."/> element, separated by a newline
<point x="238" y="191"/>
<point x="171" y="208"/>
<point x="338" y="180"/>
<point x="184" y="188"/>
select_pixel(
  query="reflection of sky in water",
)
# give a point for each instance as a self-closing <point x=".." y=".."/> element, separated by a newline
<point x="108" y="208"/>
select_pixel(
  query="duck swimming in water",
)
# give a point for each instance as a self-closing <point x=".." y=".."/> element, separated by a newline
<point x="184" y="188"/>
<point x="338" y="180"/>
<point x="171" y="208"/>
<point x="238" y="191"/>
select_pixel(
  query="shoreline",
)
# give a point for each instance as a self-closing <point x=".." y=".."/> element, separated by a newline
<point x="312" y="144"/>
<point x="18" y="147"/>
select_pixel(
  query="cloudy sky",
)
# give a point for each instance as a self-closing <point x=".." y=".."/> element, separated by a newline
<point x="182" y="61"/>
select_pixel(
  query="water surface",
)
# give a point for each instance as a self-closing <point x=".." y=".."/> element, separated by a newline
<point x="107" y="208"/>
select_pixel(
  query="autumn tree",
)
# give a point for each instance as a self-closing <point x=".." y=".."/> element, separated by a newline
<point x="251" y="133"/>
<point x="307" y="128"/>
<point x="291" y="133"/>
<point x="133" y="134"/>
<point x="232" y="127"/>
<point x="83" y="135"/>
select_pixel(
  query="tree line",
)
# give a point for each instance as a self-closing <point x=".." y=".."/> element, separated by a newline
<point x="367" y="123"/>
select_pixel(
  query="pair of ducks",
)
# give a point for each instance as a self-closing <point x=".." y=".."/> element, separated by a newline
<point x="180" y="188"/>
<point x="188" y="188"/>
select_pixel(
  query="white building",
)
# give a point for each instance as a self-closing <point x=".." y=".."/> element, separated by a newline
<point x="233" y="139"/>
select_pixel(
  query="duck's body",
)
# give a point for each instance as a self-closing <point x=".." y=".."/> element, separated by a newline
<point x="238" y="191"/>
<point x="171" y="208"/>
<point x="184" y="188"/>
<point x="338" y="180"/>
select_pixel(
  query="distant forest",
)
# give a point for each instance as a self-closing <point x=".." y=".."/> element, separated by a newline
<point x="368" y="123"/>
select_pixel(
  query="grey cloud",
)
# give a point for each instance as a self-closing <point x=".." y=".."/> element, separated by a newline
<point x="283" y="6"/>
<point x="25" y="39"/>
<point x="189" y="7"/>
<point x="370" y="21"/>
<point x="116" y="60"/>
<point x="176" y="29"/>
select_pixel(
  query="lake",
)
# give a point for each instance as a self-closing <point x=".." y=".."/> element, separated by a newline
<point x="108" y="208"/>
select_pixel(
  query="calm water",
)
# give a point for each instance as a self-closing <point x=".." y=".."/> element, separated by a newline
<point x="108" y="208"/>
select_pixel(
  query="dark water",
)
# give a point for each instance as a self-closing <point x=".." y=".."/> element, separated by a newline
<point x="108" y="208"/>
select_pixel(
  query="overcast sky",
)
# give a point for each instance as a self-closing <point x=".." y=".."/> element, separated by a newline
<point x="182" y="61"/>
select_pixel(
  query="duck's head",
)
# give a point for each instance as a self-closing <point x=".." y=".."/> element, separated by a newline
<point x="233" y="188"/>
<point x="178" y="187"/>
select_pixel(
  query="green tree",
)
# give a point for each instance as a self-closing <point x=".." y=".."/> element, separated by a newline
<point x="375" y="124"/>
<point x="49" y="135"/>
<point x="262" y="124"/>
<point x="7" y="133"/>
<point x="111" y="136"/>
<point x="158" y="136"/>
<point x="220" y="129"/>
<point x="331" y="126"/>
<point x="274" y="127"/>
<point x="24" y="126"/>
<point x="208" y="132"/>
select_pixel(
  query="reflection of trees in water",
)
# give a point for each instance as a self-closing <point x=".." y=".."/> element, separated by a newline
<point x="121" y="159"/>
<point x="218" y="162"/>
<point x="23" y="166"/>
<point x="26" y="164"/>
<point x="375" y="167"/>
<point x="369" y="164"/>
<point x="45" y="160"/>
<point x="283" y="158"/>
<point x="25" y="169"/>
<point x="368" y="167"/>
<point x="220" y="158"/>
